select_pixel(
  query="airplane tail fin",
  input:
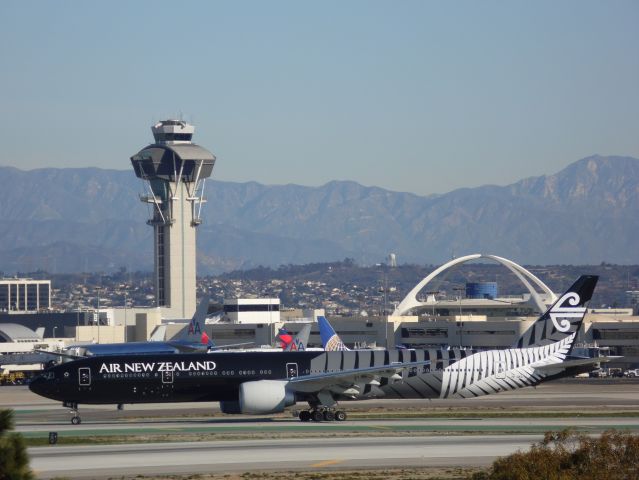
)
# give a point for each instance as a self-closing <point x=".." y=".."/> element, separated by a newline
<point x="40" y="332"/>
<point x="330" y="339"/>
<point x="563" y="318"/>
<point x="284" y="337"/>
<point x="195" y="332"/>
<point x="158" y="334"/>
<point x="299" y="342"/>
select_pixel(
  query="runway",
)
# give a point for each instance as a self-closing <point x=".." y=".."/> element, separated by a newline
<point x="198" y="439"/>
<point x="570" y="396"/>
<point x="244" y="456"/>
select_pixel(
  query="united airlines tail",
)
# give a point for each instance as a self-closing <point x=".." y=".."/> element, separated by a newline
<point x="330" y="339"/>
<point x="563" y="318"/>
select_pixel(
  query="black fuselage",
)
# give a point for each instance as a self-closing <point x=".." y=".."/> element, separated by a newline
<point x="217" y="376"/>
<point x="166" y="378"/>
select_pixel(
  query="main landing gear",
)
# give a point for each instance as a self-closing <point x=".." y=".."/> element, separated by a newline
<point x="73" y="410"/>
<point x="322" y="414"/>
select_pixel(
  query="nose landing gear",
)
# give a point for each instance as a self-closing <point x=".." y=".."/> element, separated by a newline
<point x="73" y="410"/>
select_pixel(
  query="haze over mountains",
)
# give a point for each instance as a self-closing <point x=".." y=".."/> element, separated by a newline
<point x="71" y="220"/>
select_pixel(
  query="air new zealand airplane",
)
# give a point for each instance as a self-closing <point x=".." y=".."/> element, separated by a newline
<point x="268" y="382"/>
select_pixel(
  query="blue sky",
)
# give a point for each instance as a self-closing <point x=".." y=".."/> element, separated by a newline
<point x="412" y="96"/>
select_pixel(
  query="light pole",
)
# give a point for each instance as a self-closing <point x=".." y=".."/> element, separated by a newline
<point x="459" y="291"/>
<point x="77" y="320"/>
<point x="461" y="322"/>
<point x="386" y="328"/>
<point x="125" y="322"/>
<point x="385" y="291"/>
<point x="54" y="331"/>
<point x="98" y="320"/>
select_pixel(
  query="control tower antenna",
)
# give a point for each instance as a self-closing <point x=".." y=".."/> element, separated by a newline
<point x="175" y="170"/>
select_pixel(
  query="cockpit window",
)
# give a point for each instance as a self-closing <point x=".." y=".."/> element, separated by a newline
<point x="48" y="375"/>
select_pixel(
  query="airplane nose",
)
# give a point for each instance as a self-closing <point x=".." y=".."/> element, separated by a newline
<point x="43" y="386"/>
<point x="38" y="385"/>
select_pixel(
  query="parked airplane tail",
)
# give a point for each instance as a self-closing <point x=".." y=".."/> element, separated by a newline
<point x="194" y="332"/>
<point x="299" y="342"/>
<point x="330" y="339"/>
<point x="158" y="334"/>
<point x="284" y="337"/>
<point x="193" y="337"/>
<point x="563" y="318"/>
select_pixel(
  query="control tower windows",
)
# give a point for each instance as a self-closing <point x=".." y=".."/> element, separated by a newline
<point x="173" y="137"/>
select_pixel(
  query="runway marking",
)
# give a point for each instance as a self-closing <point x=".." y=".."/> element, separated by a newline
<point x="326" y="463"/>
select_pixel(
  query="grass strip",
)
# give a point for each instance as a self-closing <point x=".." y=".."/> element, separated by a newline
<point x="217" y="434"/>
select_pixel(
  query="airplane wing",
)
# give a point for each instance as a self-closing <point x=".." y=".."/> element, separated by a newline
<point x="184" y="347"/>
<point x="578" y="362"/>
<point x="323" y="381"/>
<point x="230" y="346"/>
<point x="57" y="354"/>
<point x="188" y="347"/>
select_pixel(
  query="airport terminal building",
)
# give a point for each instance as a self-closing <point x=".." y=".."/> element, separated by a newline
<point x="480" y="319"/>
<point x="22" y="295"/>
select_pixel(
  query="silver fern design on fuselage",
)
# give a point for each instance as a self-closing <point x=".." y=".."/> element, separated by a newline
<point x="495" y="371"/>
<point x="460" y="373"/>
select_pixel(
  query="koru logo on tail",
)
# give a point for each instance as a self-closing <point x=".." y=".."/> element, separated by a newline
<point x="560" y="311"/>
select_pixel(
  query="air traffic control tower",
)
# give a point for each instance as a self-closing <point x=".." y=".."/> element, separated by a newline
<point x="174" y="170"/>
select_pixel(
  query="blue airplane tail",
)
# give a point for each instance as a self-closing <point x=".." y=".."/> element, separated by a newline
<point x="330" y="339"/>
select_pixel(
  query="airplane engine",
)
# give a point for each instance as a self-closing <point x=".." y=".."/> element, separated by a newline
<point x="265" y="396"/>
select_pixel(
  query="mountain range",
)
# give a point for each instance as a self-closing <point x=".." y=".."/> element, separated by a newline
<point x="89" y="219"/>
